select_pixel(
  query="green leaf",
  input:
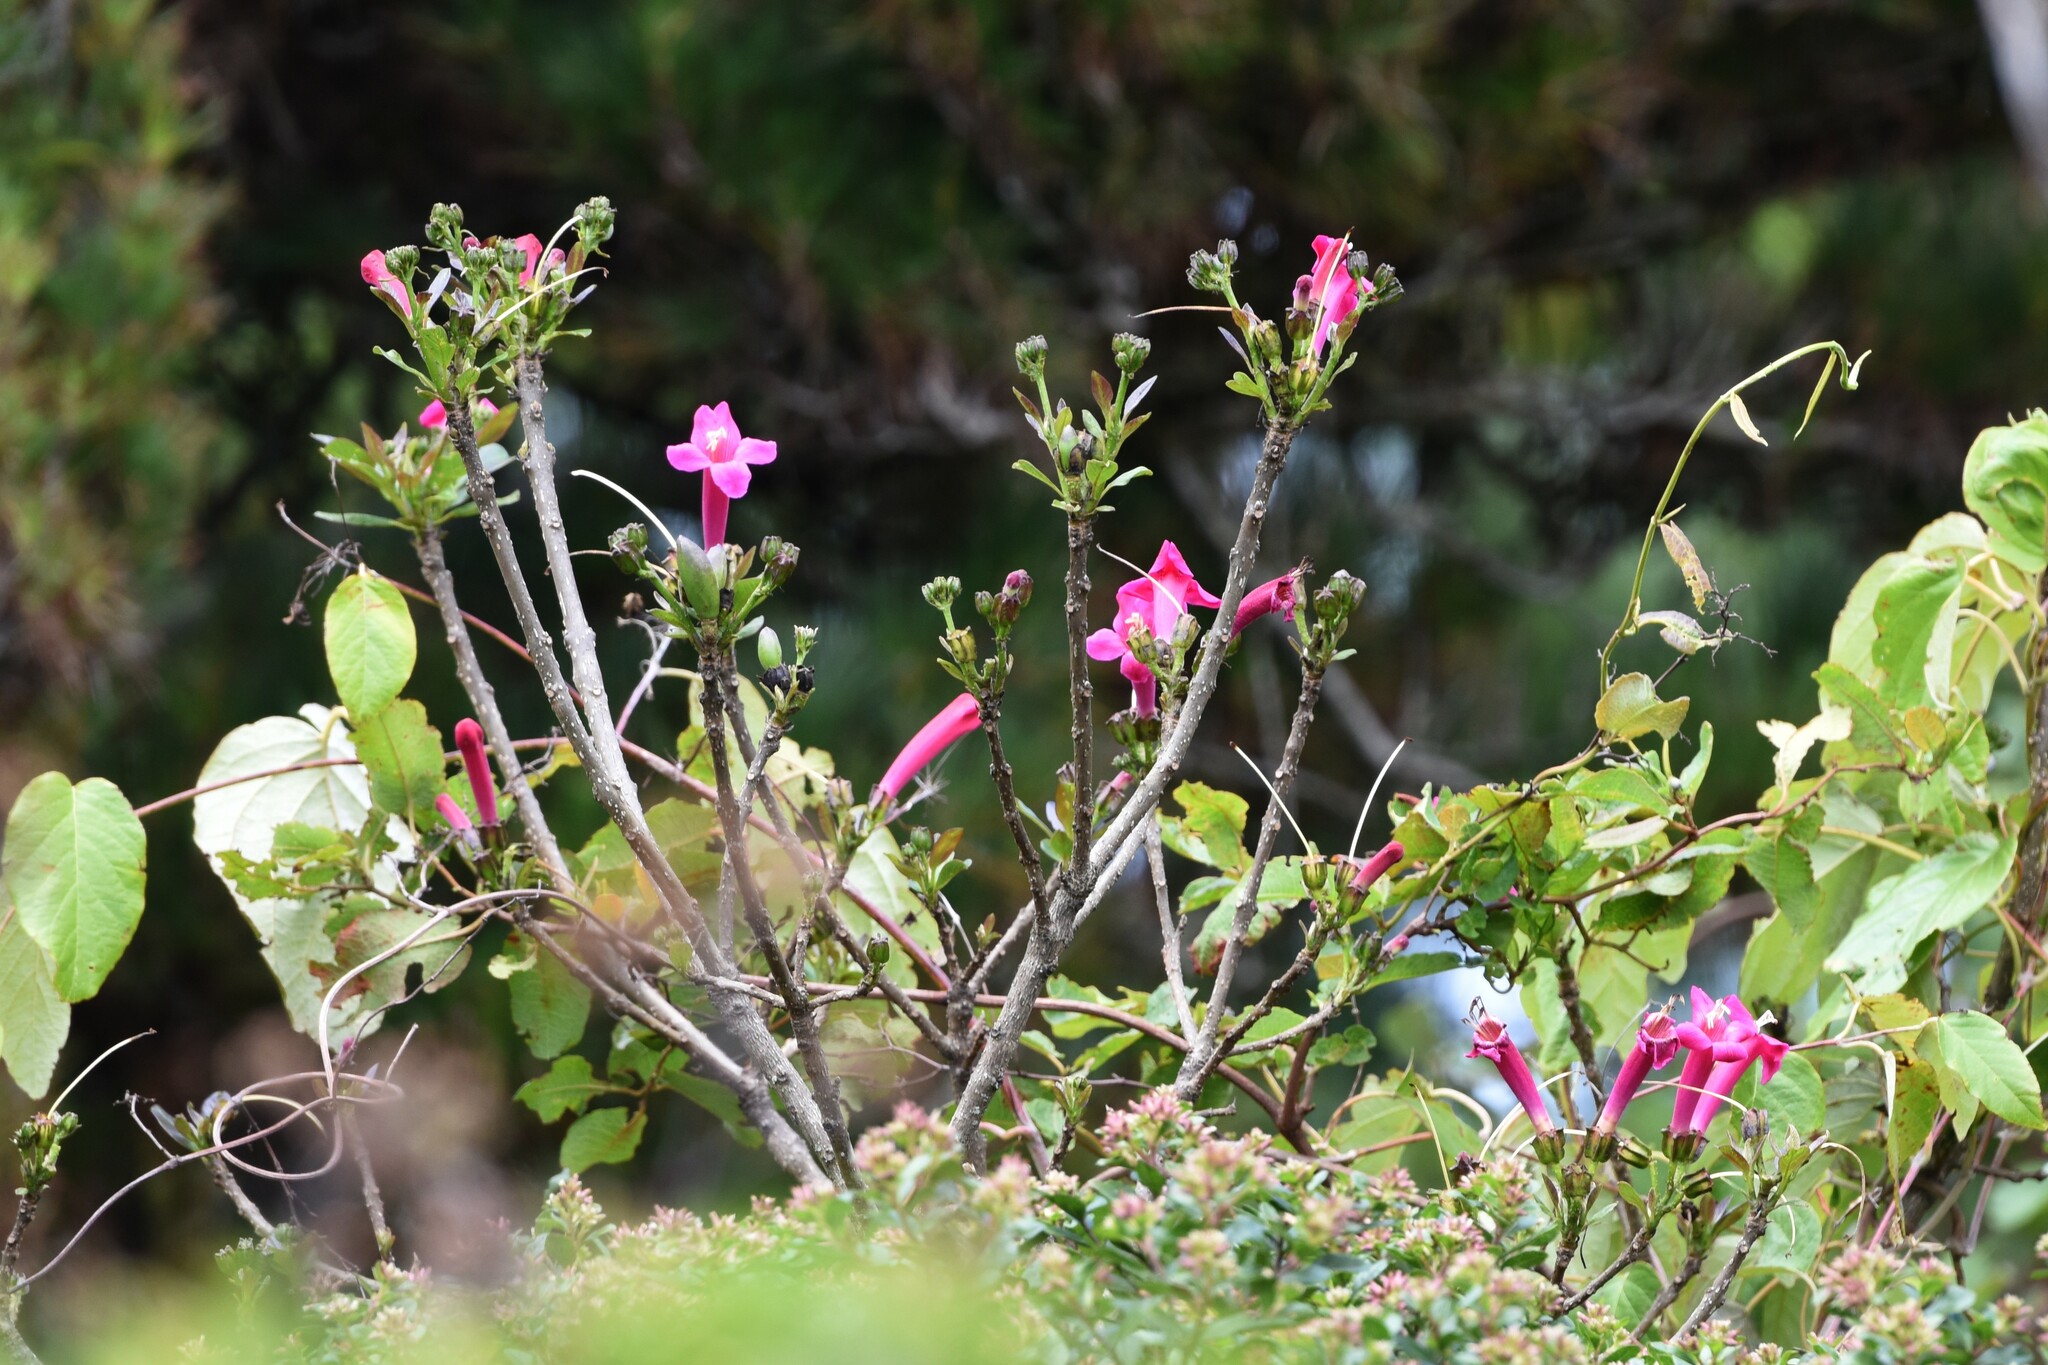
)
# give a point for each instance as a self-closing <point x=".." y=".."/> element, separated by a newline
<point x="1631" y="708"/>
<point x="602" y="1137"/>
<point x="2005" y="482"/>
<point x="1794" y="1095"/>
<point x="371" y="647"/>
<point x="567" y="1087"/>
<point x="1875" y="727"/>
<point x="73" y="864"/>
<point x="1915" y="616"/>
<point x="34" y="1019"/>
<point x="1629" y="785"/>
<point x="1210" y="828"/>
<point x="1977" y="1064"/>
<point x="550" y="1007"/>
<point x="1934" y="895"/>
<point x="1781" y="866"/>
<point x="402" y="756"/>
<point x="1916" y="1102"/>
<point x="1790" y="1242"/>
<point x="1352" y="1047"/>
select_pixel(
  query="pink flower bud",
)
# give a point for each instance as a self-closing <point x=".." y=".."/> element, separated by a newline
<point x="435" y="414"/>
<point x="452" y="812"/>
<point x="960" y="716"/>
<point x="469" y="738"/>
<point x="1490" y="1040"/>
<point x="1375" y="867"/>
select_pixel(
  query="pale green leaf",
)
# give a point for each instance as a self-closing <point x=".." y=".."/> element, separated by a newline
<point x="73" y="864"/>
<point x="602" y="1137"/>
<point x="34" y="1020"/>
<point x="1631" y="708"/>
<point x="370" y="642"/>
<point x="1977" y="1064"/>
<point x="1934" y="895"/>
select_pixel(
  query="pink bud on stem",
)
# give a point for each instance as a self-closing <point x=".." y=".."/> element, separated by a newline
<point x="469" y="738"/>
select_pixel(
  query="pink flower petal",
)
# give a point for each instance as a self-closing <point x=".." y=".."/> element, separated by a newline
<point x="688" y="458"/>
<point x="731" y="476"/>
<point x="752" y="451"/>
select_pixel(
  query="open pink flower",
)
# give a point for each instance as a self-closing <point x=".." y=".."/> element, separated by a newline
<point x="1280" y="595"/>
<point x="1656" y="1044"/>
<point x="469" y="738"/>
<point x="531" y="245"/>
<point x="1329" y="289"/>
<point x="1719" y="1033"/>
<point x="1490" y="1040"/>
<point x="717" y="449"/>
<point x="378" y="276"/>
<point x="961" y="716"/>
<point x="1157" y="601"/>
<point x="1758" y="1047"/>
<point x="435" y="414"/>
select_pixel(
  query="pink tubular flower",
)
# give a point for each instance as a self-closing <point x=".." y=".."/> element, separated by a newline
<point x="1280" y="595"/>
<point x="1758" y="1047"/>
<point x="959" y="717"/>
<point x="1329" y="289"/>
<point x="1490" y="1040"/>
<point x="717" y="449"/>
<point x="435" y="414"/>
<point x="1157" y="601"/>
<point x="1375" y="867"/>
<point x="1656" y="1045"/>
<point x="1719" y="1033"/>
<point x="469" y="738"/>
<point x="378" y="276"/>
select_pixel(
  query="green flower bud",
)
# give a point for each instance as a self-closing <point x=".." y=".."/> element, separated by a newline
<point x="629" y="548"/>
<point x="880" y="948"/>
<point x="693" y="571"/>
<point x="403" y="261"/>
<point x="768" y="649"/>
<point x="1031" y="353"/>
<point x="1130" y="351"/>
<point x="941" y="593"/>
<point x="444" y="227"/>
<point x="595" y="219"/>
<point x="805" y="638"/>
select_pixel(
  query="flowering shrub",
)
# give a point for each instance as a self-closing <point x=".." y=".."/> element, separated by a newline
<point x="760" y="934"/>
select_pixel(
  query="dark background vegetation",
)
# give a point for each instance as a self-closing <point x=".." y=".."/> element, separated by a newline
<point x="840" y="215"/>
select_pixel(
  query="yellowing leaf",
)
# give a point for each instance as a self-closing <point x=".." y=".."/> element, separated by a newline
<point x="1740" y="411"/>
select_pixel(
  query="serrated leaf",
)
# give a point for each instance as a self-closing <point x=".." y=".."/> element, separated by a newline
<point x="550" y="1007"/>
<point x="602" y="1137"/>
<point x="1916" y="1102"/>
<point x="371" y="647"/>
<point x="1793" y="1096"/>
<point x="1934" y="895"/>
<point x="74" y="864"/>
<point x="568" y="1086"/>
<point x="402" y="757"/>
<point x="1977" y="1064"/>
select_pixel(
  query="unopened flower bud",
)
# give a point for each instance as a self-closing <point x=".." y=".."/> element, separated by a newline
<point x="1130" y="351"/>
<point x="594" y="222"/>
<point x="1575" y="1180"/>
<point x="1315" y="873"/>
<point x="805" y="638"/>
<point x="403" y="261"/>
<point x="444" y="227"/>
<point x="629" y="547"/>
<point x="1756" y="1122"/>
<point x="941" y="593"/>
<point x="1207" y="272"/>
<point x="1265" y="339"/>
<point x="768" y="648"/>
<point x="694" y="572"/>
<point x="1339" y="597"/>
<point x="780" y="567"/>
<point x="1031" y="353"/>
<point x="1018" y="585"/>
<point x="879" y="948"/>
